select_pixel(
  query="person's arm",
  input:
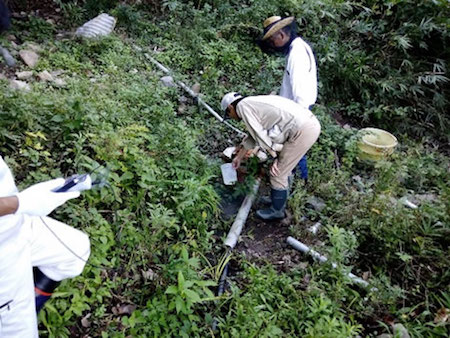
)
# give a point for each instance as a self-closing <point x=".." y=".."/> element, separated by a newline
<point x="41" y="199"/>
<point x="239" y="157"/>
<point x="259" y="134"/>
<point x="37" y="200"/>
<point x="8" y="205"/>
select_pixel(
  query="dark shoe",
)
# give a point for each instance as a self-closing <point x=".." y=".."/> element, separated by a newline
<point x="276" y="211"/>
<point x="43" y="288"/>
<point x="270" y="214"/>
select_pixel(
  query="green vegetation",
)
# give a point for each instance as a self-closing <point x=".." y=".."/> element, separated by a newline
<point x="156" y="232"/>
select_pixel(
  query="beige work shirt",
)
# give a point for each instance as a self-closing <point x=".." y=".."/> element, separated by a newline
<point x="270" y="120"/>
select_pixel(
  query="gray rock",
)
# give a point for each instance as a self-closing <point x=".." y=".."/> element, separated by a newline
<point x="2" y="76"/>
<point x="196" y="88"/>
<point x="32" y="46"/>
<point x="400" y="331"/>
<point x="45" y="76"/>
<point x="56" y="73"/>
<point x="167" y="81"/>
<point x="24" y="75"/>
<point x="29" y="57"/>
<point x="9" y="59"/>
<point x="315" y="203"/>
<point x="59" y="83"/>
<point x="421" y="198"/>
<point x="19" y="85"/>
<point x="181" y="108"/>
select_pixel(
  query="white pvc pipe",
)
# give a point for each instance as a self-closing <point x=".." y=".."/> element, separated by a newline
<point x="314" y="229"/>
<point x="241" y="217"/>
<point x="408" y="203"/>
<point x="194" y="95"/>
<point x="317" y="256"/>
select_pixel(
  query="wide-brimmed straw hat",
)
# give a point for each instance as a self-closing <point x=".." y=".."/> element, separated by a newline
<point x="274" y="24"/>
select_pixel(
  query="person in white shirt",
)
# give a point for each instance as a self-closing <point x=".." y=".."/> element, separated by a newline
<point x="300" y="75"/>
<point x="36" y="251"/>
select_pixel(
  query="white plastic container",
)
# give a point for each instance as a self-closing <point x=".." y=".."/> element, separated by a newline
<point x="101" y="25"/>
<point x="229" y="174"/>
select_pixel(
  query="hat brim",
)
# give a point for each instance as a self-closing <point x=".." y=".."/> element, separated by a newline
<point x="277" y="26"/>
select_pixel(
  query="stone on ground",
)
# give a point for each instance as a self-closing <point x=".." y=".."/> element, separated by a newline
<point x="167" y="81"/>
<point x="19" y="85"/>
<point x="25" y="75"/>
<point x="45" y="76"/>
<point x="29" y="57"/>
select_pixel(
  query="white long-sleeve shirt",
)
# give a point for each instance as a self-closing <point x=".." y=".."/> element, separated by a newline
<point x="11" y="244"/>
<point x="300" y="75"/>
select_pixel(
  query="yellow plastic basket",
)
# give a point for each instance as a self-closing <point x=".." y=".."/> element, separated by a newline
<point x="375" y="144"/>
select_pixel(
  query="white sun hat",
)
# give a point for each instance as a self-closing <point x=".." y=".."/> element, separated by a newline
<point x="229" y="99"/>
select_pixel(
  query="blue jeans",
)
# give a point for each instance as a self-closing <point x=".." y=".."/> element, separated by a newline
<point x="302" y="168"/>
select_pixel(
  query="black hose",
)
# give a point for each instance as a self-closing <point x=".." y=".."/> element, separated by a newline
<point x="222" y="281"/>
<point x="220" y="290"/>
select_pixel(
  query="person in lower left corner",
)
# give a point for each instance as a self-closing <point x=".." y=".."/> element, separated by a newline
<point x="279" y="126"/>
<point x="36" y="251"/>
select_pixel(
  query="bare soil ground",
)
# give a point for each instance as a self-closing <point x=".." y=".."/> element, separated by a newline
<point x="264" y="242"/>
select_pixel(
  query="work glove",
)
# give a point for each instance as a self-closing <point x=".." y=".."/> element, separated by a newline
<point x="277" y="147"/>
<point x="40" y="200"/>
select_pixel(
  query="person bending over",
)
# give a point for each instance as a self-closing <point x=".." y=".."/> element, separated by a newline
<point x="281" y="127"/>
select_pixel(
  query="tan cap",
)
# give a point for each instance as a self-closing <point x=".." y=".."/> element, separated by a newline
<point x="274" y="24"/>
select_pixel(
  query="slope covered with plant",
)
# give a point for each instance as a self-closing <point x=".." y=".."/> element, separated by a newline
<point x="156" y="233"/>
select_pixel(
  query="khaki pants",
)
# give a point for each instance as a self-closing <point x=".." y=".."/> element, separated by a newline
<point x="296" y="146"/>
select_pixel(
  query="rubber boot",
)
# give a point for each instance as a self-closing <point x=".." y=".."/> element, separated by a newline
<point x="267" y="200"/>
<point x="276" y="210"/>
<point x="43" y="288"/>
